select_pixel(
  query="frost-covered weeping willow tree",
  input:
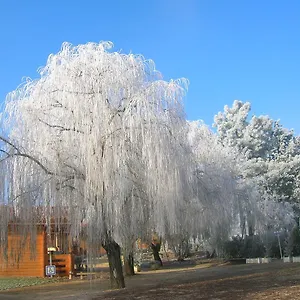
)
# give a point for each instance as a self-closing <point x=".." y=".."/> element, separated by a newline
<point x="98" y="139"/>
<point x="223" y="198"/>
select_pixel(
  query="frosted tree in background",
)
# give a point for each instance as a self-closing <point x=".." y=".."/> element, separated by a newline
<point x="272" y="159"/>
<point x="222" y="197"/>
<point x="98" y="138"/>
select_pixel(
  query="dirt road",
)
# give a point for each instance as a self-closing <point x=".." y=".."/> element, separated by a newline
<point x="221" y="282"/>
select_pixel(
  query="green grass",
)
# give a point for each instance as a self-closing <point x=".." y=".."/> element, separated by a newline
<point x="7" y="283"/>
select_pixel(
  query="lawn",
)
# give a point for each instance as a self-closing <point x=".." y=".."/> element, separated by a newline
<point x="268" y="282"/>
<point x="7" y="283"/>
<point x="272" y="281"/>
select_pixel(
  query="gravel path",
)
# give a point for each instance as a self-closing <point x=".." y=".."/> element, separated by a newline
<point x="221" y="282"/>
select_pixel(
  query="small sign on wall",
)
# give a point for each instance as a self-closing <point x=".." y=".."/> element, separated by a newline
<point x="50" y="270"/>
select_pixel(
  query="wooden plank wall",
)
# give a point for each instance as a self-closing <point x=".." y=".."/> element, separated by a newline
<point x="27" y="265"/>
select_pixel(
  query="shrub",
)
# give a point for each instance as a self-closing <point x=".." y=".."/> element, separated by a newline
<point x="248" y="247"/>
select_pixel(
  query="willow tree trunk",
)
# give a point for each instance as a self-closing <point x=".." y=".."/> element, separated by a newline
<point x="115" y="264"/>
<point x="155" y="249"/>
<point x="129" y="264"/>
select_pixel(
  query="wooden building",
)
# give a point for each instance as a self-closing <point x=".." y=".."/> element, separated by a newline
<point x="25" y="258"/>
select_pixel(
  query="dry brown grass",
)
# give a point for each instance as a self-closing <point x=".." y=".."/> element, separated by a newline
<point x="269" y="281"/>
<point x="281" y="284"/>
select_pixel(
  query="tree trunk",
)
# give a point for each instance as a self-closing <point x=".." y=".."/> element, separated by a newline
<point x="213" y="254"/>
<point x="129" y="264"/>
<point x="115" y="265"/>
<point x="251" y="230"/>
<point x="155" y="248"/>
<point x="183" y="250"/>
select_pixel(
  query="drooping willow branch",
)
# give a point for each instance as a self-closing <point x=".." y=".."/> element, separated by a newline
<point x="33" y="159"/>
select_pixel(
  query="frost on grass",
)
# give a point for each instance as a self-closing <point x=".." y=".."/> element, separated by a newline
<point x="20" y="282"/>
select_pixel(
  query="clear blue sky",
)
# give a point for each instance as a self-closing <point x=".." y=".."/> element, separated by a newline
<point x="246" y="50"/>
